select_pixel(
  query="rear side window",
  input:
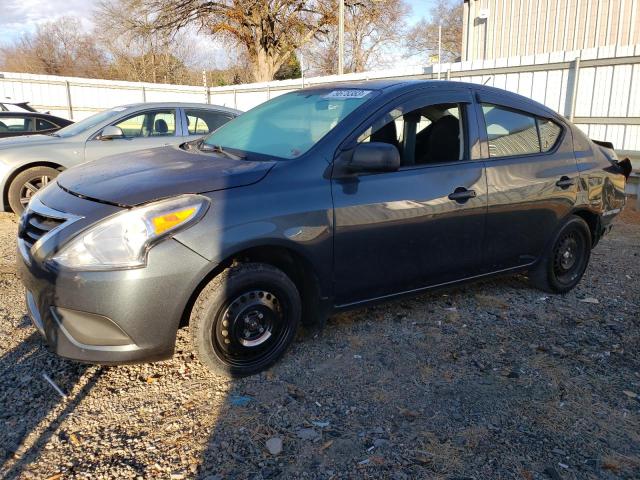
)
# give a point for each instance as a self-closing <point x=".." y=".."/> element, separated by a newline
<point x="517" y="133"/>
<point x="510" y="133"/>
<point x="549" y="133"/>
<point x="44" y="124"/>
<point x="201" y="122"/>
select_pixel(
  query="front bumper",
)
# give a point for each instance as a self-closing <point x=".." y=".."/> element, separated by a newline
<point x="106" y="317"/>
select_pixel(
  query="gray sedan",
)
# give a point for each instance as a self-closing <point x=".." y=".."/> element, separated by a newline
<point x="28" y="163"/>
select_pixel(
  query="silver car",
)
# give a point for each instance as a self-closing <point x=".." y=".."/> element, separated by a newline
<point x="28" y="163"/>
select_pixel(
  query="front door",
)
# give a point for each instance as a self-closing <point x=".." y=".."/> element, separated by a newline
<point x="148" y="129"/>
<point x="422" y="225"/>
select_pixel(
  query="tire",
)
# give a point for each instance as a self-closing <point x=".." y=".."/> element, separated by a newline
<point x="26" y="184"/>
<point x="244" y="320"/>
<point x="566" y="258"/>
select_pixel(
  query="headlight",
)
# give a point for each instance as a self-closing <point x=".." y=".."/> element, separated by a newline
<point x="122" y="240"/>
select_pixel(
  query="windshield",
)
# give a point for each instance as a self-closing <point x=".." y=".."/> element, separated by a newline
<point x="89" y="122"/>
<point x="289" y="125"/>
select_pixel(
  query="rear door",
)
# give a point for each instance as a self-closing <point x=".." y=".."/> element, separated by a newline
<point x="532" y="180"/>
<point x="147" y="129"/>
<point x="415" y="227"/>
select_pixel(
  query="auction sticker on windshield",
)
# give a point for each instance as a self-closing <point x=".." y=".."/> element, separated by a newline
<point x="345" y="94"/>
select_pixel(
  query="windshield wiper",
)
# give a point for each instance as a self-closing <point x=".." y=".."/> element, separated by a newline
<point x="205" y="147"/>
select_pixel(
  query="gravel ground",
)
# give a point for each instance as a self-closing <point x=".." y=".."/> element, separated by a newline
<point x="487" y="381"/>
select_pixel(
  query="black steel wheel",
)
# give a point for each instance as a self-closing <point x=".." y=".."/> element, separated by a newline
<point x="565" y="261"/>
<point x="27" y="184"/>
<point x="245" y="319"/>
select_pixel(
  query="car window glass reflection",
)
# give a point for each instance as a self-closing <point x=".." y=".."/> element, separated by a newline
<point x="510" y="133"/>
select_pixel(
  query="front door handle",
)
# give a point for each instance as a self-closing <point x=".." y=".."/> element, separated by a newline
<point x="564" y="182"/>
<point x="461" y="194"/>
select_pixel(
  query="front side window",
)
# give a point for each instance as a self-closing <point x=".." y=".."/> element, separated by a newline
<point x="155" y="123"/>
<point x="15" y="124"/>
<point x="202" y="122"/>
<point x="426" y="135"/>
<point x="289" y="125"/>
<point x="509" y="132"/>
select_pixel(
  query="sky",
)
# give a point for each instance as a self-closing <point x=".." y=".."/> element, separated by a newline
<point x="23" y="16"/>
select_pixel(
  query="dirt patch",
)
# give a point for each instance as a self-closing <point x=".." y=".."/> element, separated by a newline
<point x="490" y="380"/>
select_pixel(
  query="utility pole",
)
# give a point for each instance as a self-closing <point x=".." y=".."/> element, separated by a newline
<point x="439" y="49"/>
<point x="341" y="37"/>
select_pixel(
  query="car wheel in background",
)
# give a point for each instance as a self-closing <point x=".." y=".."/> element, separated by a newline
<point x="26" y="185"/>
<point x="244" y="319"/>
<point x="563" y="264"/>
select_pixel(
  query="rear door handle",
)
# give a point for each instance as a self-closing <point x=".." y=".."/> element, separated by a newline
<point x="461" y="195"/>
<point x="564" y="182"/>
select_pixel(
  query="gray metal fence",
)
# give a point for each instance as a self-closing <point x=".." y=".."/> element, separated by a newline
<point x="594" y="88"/>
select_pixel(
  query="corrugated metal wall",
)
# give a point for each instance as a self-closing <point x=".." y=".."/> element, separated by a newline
<point x="605" y="103"/>
<point x="503" y="28"/>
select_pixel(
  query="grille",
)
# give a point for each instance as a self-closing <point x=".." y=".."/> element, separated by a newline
<point x="39" y="221"/>
<point x="35" y="225"/>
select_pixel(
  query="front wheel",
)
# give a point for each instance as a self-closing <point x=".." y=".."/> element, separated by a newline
<point x="244" y="319"/>
<point x="27" y="184"/>
<point x="563" y="264"/>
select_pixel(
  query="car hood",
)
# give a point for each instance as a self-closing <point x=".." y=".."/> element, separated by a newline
<point x="27" y="140"/>
<point x="135" y="178"/>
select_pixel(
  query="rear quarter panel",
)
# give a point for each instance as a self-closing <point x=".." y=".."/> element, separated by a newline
<point x="601" y="187"/>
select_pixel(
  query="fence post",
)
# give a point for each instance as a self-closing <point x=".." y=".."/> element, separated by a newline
<point x="235" y="98"/>
<point x="574" y="88"/>
<point x="144" y="94"/>
<point x="69" y="105"/>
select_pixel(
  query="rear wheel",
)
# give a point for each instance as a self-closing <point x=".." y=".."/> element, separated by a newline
<point x="564" y="263"/>
<point x="244" y="319"/>
<point x="27" y="184"/>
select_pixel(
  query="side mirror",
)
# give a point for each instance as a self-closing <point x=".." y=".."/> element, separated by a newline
<point x="111" y="132"/>
<point x="374" y="157"/>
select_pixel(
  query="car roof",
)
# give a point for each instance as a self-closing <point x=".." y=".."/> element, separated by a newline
<point x="401" y="86"/>
<point x="32" y="114"/>
<point x="206" y="106"/>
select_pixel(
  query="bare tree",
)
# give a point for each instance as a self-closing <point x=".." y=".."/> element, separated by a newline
<point x="373" y="28"/>
<point x="138" y="51"/>
<point x="269" y="31"/>
<point x="56" y="48"/>
<point x="423" y="37"/>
